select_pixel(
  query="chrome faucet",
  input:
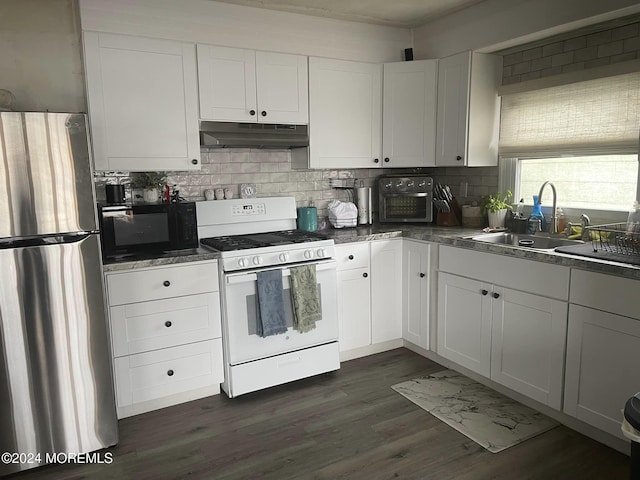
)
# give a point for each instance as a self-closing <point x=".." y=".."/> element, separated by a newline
<point x="585" y="221"/>
<point x="553" y="226"/>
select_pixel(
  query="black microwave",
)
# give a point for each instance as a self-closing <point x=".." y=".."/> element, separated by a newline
<point x="147" y="230"/>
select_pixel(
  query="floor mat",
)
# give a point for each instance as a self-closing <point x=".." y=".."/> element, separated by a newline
<point x="485" y="416"/>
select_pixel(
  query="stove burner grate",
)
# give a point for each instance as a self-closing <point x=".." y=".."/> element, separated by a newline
<point x="258" y="240"/>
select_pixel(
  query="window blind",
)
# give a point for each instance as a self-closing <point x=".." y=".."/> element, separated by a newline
<point x="587" y="118"/>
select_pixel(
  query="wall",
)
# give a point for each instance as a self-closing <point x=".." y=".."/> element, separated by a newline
<point x="40" y="55"/>
<point x="216" y="23"/>
<point x="603" y="44"/>
<point x="271" y="171"/>
<point x="497" y="24"/>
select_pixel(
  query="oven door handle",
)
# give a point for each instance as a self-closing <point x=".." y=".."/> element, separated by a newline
<point x="422" y="194"/>
<point x="250" y="275"/>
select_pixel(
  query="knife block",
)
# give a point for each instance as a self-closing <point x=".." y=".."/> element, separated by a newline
<point x="446" y="219"/>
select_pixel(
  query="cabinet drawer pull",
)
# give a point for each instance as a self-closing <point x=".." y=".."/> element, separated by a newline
<point x="484" y="292"/>
<point x="166" y="283"/>
<point x="421" y="275"/>
<point x="375" y="160"/>
<point x="386" y="159"/>
<point x="365" y="275"/>
<point x="458" y="158"/>
<point x="170" y="373"/>
<point x="350" y="257"/>
<point x="263" y="113"/>
<point x="194" y="161"/>
<point x="168" y="323"/>
<point x="496" y="295"/>
<point x="252" y="112"/>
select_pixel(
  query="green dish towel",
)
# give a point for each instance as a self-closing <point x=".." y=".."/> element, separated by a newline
<point x="304" y="297"/>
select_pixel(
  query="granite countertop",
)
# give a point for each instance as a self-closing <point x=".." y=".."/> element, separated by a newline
<point x="455" y="236"/>
<point x="194" y="255"/>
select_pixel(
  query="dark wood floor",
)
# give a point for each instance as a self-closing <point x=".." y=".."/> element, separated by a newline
<point x="349" y="424"/>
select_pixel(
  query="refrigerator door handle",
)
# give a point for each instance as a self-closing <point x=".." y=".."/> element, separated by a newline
<point x="41" y="240"/>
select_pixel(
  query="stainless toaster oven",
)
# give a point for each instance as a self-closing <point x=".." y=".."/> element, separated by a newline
<point x="405" y="198"/>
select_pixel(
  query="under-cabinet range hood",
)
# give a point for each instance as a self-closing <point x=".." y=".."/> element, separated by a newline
<point x="254" y="135"/>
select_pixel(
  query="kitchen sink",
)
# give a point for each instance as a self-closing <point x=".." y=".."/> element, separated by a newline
<point x="538" y="242"/>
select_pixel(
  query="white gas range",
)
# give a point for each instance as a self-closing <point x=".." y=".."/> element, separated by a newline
<point x="258" y="235"/>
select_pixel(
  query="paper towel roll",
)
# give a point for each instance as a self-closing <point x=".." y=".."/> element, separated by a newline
<point x="363" y="200"/>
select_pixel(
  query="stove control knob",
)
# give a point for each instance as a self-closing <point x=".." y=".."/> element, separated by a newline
<point x="399" y="183"/>
<point x="422" y="183"/>
<point x="283" y="257"/>
<point x="257" y="260"/>
<point x="242" y="262"/>
<point x="320" y="252"/>
<point x="388" y="184"/>
<point x="308" y="254"/>
<point x="410" y="184"/>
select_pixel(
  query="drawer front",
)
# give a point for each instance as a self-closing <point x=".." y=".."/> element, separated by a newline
<point x="162" y="282"/>
<point x="618" y="295"/>
<point x="525" y="275"/>
<point x="352" y="255"/>
<point x="252" y="376"/>
<point x="146" y="326"/>
<point x="157" y="374"/>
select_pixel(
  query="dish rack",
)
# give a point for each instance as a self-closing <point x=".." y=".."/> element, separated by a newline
<point x="620" y="238"/>
<point x="343" y="222"/>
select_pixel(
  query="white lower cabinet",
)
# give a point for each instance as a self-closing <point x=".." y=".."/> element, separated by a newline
<point x="354" y="308"/>
<point x="416" y="291"/>
<point x="603" y="349"/>
<point x="527" y="344"/>
<point x="386" y="290"/>
<point x="511" y="337"/>
<point x="165" y="335"/>
<point x="369" y="295"/>
<point x="464" y="322"/>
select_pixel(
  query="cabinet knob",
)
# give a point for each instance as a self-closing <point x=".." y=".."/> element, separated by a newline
<point x="263" y="113"/>
<point x="386" y="159"/>
<point x="375" y="160"/>
<point x="421" y="275"/>
<point x="252" y="112"/>
<point x="170" y="373"/>
<point x="365" y="274"/>
<point x="496" y="295"/>
<point x="166" y="283"/>
<point x="458" y="158"/>
<point x="350" y="257"/>
<point x="168" y="323"/>
<point x="484" y="292"/>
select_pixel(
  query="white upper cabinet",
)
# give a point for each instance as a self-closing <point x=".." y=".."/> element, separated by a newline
<point x="345" y="106"/>
<point x="238" y="85"/>
<point x="142" y="97"/>
<point x="409" y="114"/>
<point x="468" y="113"/>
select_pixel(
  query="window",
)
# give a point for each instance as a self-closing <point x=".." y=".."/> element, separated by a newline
<point x="603" y="182"/>
<point x="582" y="136"/>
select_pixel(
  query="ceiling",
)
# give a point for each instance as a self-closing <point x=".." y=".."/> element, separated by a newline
<point x="393" y="13"/>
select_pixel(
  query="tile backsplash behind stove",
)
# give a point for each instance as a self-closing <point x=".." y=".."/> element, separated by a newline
<point x="271" y="171"/>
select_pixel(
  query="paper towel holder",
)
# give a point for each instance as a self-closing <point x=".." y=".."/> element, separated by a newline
<point x="364" y="204"/>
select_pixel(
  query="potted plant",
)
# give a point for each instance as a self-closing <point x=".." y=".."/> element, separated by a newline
<point x="496" y="207"/>
<point x="150" y="184"/>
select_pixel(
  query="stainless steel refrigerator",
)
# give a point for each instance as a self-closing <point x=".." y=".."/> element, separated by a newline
<point x="56" y="386"/>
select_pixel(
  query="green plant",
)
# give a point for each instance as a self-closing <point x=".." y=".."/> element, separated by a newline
<point x="493" y="203"/>
<point x="149" y="180"/>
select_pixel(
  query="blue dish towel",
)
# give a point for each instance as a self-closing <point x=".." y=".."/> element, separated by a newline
<point x="270" y="305"/>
